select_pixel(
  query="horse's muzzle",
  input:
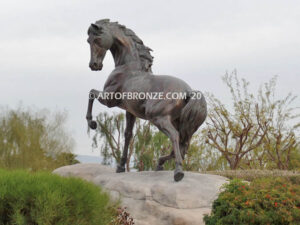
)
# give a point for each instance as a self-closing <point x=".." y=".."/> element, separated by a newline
<point x="96" y="66"/>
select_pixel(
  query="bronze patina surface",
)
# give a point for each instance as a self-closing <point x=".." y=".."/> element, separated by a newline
<point x="177" y="118"/>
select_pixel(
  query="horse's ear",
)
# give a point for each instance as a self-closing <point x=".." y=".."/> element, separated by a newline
<point x="95" y="26"/>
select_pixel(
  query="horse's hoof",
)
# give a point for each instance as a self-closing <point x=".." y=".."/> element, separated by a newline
<point x="178" y="176"/>
<point x="159" y="168"/>
<point x="120" y="169"/>
<point x="93" y="124"/>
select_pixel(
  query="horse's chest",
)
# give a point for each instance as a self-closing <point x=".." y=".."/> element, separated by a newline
<point x="114" y="83"/>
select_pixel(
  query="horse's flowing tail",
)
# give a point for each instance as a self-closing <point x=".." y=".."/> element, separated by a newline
<point x="192" y="115"/>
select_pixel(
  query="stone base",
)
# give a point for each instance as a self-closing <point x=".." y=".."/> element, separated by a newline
<point x="153" y="197"/>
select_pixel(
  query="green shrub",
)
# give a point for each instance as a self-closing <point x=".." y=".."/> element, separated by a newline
<point x="43" y="198"/>
<point x="263" y="201"/>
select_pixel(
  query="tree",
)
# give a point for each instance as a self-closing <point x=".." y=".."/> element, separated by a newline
<point x="109" y="136"/>
<point x="142" y="154"/>
<point x="281" y="143"/>
<point x="66" y="158"/>
<point x="34" y="140"/>
<point x="203" y="157"/>
<point x="143" y="151"/>
<point x="235" y="134"/>
<point x="256" y="134"/>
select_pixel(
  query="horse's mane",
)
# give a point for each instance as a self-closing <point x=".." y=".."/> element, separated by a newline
<point x="144" y="52"/>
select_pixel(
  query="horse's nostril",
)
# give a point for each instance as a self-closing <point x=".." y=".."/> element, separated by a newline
<point x="93" y="65"/>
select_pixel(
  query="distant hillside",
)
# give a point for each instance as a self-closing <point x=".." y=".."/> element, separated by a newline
<point x="88" y="159"/>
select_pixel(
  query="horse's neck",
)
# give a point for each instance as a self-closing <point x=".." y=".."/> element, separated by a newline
<point x="124" y="53"/>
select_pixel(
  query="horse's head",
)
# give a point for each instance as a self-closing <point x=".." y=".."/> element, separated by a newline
<point x="100" y="40"/>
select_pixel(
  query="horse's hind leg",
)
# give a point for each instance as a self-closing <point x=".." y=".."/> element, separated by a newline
<point x="163" y="159"/>
<point x="130" y="120"/>
<point x="183" y="149"/>
<point x="165" y="125"/>
<point x="184" y="146"/>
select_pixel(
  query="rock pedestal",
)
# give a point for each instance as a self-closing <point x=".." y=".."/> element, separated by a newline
<point x="154" y="198"/>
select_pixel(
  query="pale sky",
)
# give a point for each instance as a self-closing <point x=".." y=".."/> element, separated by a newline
<point x="44" y="55"/>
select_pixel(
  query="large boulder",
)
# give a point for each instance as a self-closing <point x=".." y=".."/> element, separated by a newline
<point x="153" y="198"/>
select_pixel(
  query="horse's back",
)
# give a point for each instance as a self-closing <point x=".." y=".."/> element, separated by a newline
<point x="169" y="83"/>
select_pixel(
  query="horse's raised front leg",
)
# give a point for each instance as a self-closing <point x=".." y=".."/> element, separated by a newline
<point x="165" y="125"/>
<point x="130" y="120"/>
<point x="94" y="94"/>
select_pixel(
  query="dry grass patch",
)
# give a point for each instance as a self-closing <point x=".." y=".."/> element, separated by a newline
<point x="250" y="175"/>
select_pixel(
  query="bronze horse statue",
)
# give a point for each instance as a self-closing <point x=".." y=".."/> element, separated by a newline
<point x="177" y="118"/>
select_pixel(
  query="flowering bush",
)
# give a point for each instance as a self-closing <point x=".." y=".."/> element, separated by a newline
<point x="122" y="218"/>
<point x="263" y="201"/>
